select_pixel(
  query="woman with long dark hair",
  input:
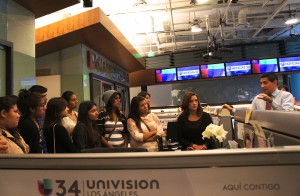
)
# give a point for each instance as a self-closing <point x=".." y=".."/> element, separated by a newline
<point x="192" y="122"/>
<point x="144" y="127"/>
<point x="11" y="142"/>
<point x="112" y="123"/>
<point x="32" y="108"/>
<point x="70" y="121"/>
<point x="147" y="97"/>
<point x="57" y="137"/>
<point x="86" y="135"/>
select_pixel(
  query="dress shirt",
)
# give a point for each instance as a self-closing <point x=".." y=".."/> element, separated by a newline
<point x="282" y="100"/>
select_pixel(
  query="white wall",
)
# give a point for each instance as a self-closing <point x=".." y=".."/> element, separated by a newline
<point x="52" y="83"/>
<point x="134" y="91"/>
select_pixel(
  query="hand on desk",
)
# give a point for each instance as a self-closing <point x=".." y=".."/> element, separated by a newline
<point x="197" y="147"/>
<point x="227" y="107"/>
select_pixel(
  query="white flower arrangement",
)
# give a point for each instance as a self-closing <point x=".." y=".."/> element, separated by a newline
<point x="215" y="132"/>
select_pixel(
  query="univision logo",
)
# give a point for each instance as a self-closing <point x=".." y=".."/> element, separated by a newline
<point x="45" y="187"/>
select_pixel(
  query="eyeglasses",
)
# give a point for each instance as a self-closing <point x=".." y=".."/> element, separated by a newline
<point x="118" y="98"/>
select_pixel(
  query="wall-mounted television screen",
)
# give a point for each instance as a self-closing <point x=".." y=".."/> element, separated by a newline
<point x="238" y="68"/>
<point x="188" y="73"/>
<point x="165" y="75"/>
<point x="289" y="64"/>
<point x="212" y="70"/>
<point x="264" y="65"/>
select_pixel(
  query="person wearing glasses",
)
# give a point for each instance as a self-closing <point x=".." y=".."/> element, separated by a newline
<point x="112" y="122"/>
<point x="32" y="107"/>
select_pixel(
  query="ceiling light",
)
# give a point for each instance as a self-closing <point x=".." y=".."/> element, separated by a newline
<point x="196" y="28"/>
<point x="195" y="2"/>
<point x="139" y="2"/>
<point x="291" y="21"/>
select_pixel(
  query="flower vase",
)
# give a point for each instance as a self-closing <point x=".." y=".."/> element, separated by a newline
<point x="216" y="144"/>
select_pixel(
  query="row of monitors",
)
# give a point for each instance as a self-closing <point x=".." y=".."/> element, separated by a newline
<point x="286" y="64"/>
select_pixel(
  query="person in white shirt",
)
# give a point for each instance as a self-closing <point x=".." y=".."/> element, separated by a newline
<point x="271" y="98"/>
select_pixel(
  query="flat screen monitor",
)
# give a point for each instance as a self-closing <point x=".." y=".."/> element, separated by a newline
<point x="238" y="68"/>
<point x="165" y="75"/>
<point x="289" y="64"/>
<point x="212" y="70"/>
<point x="264" y="65"/>
<point x="188" y="73"/>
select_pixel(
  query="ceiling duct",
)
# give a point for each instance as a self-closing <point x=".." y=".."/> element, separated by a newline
<point x="253" y="10"/>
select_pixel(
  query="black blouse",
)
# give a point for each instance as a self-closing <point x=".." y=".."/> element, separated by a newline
<point x="190" y="132"/>
<point x="63" y="142"/>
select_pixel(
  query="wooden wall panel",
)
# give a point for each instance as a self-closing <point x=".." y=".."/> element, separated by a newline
<point x="142" y="78"/>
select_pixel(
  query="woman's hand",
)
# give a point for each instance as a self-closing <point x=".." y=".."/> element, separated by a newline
<point x="197" y="147"/>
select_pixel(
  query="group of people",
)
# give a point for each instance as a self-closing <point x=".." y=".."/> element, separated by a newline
<point x="30" y="124"/>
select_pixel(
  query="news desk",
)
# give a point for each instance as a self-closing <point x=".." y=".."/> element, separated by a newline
<point x="264" y="171"/>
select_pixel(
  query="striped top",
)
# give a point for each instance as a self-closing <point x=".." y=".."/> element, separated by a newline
<point x="106" y="126"/>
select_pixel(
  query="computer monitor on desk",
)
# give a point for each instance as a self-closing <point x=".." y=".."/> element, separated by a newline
<point x="172" y="131"/>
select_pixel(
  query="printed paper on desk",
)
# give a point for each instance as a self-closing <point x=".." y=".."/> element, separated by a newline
<point x="259" y="132"/>
<point x="248" y="115"/>
<point x="240" y="131"/>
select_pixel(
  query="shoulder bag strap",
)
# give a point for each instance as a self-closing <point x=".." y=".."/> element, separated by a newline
<point x="54" y="146"/>
<point x="107" y="138"/>
<point x="146" y="125"/>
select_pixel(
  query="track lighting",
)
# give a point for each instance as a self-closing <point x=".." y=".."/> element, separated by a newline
<point x="195" y="26"/>
<point x="139" y="2"/>
<point x="291" y="21"/>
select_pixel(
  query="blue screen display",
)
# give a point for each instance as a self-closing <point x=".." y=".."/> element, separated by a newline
<point x="165" y="75"/>
<point x="188" y="73"/>
<point x="238" y="68"/>
<point x="289" y="64"/>
<point x="264" y="65"/>
<point x="212" y="70"/>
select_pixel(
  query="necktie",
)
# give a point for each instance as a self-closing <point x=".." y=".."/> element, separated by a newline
<point x="268" y="106"/>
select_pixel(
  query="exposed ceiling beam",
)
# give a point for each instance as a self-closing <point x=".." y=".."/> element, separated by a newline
<point x="280" y="7"/>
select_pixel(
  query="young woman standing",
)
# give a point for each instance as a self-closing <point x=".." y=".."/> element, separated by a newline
<point x="112" y="123"/>
<point x="57" y="137"/>
<point x="86" y="135"/>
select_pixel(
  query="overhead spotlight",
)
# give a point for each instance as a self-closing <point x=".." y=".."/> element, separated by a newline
<point x="139" y="2"/>
<point x="195" y="26"/>
<point x="195" y="2"/>
<point x="226" y="1"/>
<point x="291" y="21"/>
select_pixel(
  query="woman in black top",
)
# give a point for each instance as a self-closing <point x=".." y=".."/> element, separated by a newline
<point x="57" y="137"/>
<point x="191" y="124"/>
<point x="86" y="135"/>
<point x="32" y="107"/>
